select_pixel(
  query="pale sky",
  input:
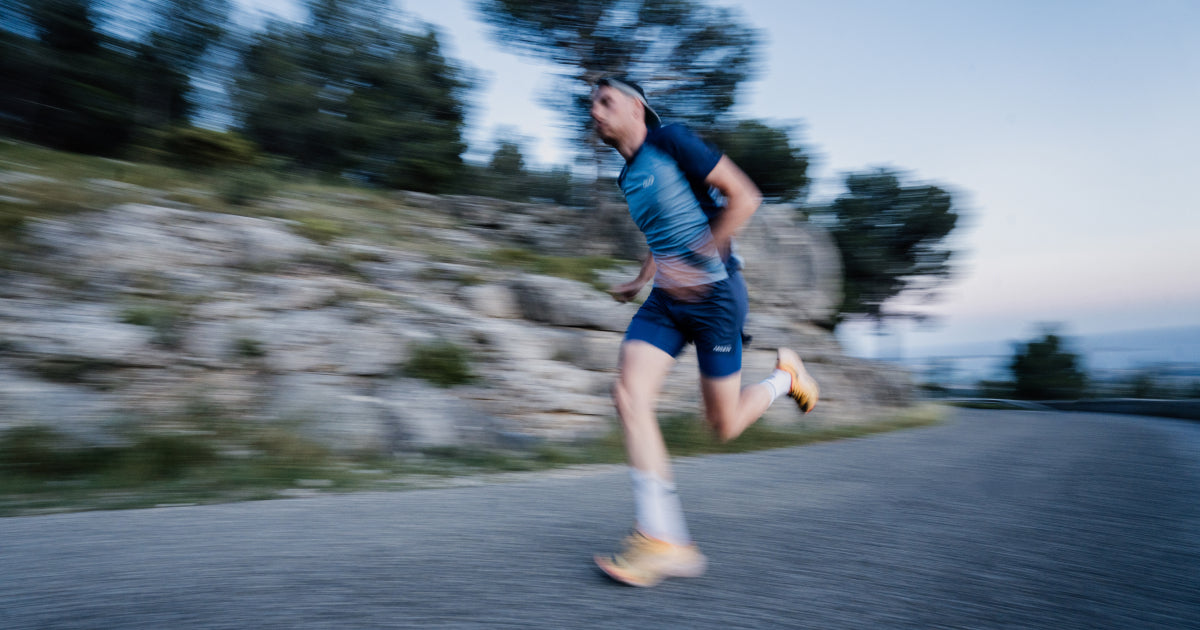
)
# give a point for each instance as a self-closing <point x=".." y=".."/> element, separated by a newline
<point x="1067" y="129"/>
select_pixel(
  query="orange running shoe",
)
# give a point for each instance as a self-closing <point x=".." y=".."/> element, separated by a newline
<point x="646" y="561"/>
<point x="804" y="389"/>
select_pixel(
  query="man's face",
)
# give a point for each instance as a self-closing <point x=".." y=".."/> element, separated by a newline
<point x="615" y="113"/>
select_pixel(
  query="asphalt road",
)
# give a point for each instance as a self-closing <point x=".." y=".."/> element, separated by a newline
<point x="996" y="519"/>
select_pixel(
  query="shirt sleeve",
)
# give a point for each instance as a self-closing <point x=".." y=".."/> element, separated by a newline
<point x="695" y="157"/>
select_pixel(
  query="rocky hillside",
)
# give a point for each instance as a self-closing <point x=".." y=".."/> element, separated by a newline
<point x="354" y="315"/>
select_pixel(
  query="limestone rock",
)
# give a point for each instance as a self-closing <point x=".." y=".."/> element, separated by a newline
<point x="355" y="414"/>
<point x="333" y="409"/>
<point x="68" y="331"/>
<point x="394" y="275"/>
<point x="165" y="242"/>
<point x="420" y="415"/>
<point x="562" y="302"/>
<point x="269" y="332"/>
<point x="69" y="408"/>
<point x="545" y="228"/>
<point x="304" y="341"/>
<point x="491" y="300"/>
<point x="790" y="267"/>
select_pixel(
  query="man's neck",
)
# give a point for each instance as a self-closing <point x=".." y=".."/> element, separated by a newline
<point x="628" y="147"/>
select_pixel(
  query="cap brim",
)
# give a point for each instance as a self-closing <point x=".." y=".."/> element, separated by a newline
<point x="651" y="116"/>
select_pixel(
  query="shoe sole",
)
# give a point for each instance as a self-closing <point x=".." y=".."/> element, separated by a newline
<point x="625" y="577"/>
<point x="618" y="574"/>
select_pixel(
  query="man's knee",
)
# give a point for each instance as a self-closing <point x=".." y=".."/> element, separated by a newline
<point x="726" y="432"/>
<point x="722" y="424"/>
<point x="632" y="403"/>
<point x="721" y="399"/>
<point x="625" y="396"/>
<point x="619" y="394"/>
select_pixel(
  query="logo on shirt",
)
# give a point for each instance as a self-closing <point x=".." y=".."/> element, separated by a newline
<point x="649" y="181"/>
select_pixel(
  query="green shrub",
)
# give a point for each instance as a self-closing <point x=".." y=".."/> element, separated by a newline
<point x="442" y="363"/>
<point x="12" y="220"/>
<point x="319" y="229"/>
<point x="245" y="186"/>
<point x="512" y="257"/>
<point x="156" y="457"/>
<point x="550" y="456"/>
<point x="205" y="148"/>
<point x="464" y="279"/>
<point x="480" y="458"/>
<point x="32" y="451"/>
<point x="69" y="369"/>
<point x="165" y="319"/>
<point x="247" y="348"/>
<point x="42" y="453"/>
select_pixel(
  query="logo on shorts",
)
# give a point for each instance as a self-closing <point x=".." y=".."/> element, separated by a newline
<point x="649" y="182"/>
<point x="722" y="348"/>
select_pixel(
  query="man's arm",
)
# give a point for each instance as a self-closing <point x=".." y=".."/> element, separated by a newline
<point x="742" y="199"/>
<point x="628" y="290"/>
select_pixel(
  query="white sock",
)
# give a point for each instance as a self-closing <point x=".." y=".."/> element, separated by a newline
<point x="778" y="383"/>
<point x="659" y="513"/>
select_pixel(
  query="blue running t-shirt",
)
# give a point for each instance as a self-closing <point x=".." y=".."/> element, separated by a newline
<point x="669" y="201"/>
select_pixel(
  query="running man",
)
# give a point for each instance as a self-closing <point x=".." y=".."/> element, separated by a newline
<point x="698" y="297"/>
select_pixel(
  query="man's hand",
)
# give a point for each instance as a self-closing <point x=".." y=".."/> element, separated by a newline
<point x="626" y="290"/>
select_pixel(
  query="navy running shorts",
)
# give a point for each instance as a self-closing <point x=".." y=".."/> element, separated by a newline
<point x="714" y="324"/>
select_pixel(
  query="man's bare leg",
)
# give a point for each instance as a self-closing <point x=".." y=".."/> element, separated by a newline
<point x="731" y="408"/>
<point x="659" y="512"/>
<point x="643" y="368"/>
<point x="660" y="546"/>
